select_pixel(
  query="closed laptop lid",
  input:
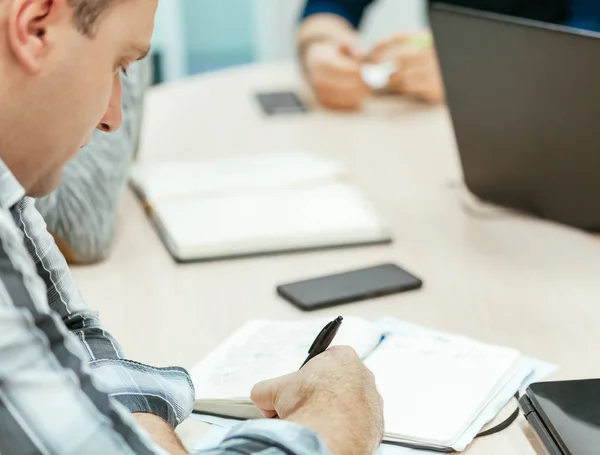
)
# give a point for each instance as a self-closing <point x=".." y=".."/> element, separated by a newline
<point x="525" y="106"/>
<point x="571" y="412"/>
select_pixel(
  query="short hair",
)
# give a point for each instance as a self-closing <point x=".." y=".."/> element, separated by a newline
<point x="86" y="14"/>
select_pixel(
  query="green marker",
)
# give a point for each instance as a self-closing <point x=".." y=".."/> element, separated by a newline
<point x="421" y="41"/>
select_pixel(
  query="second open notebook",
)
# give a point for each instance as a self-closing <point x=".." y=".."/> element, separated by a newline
<point x="256" y="204"/>
<point x="437" y="387"/>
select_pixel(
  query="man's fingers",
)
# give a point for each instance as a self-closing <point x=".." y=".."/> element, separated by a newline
<point x="339" y="84"/>
<point x="337" y="90"/>
<point x="425" y="88"/>
<point x="264" y="395"/>
<point x="332" y="58"/>
<point x="341" y="71"/>
<point x="340" y="104"/>
<point x="419" y="75"/>
<point x="352" y="51"/>
<point x="378" y="53"/>
<point x="334" y="72"/>
<point x="423" y="57"/>
<point x="267" y="414"/>
<point x="342" y="65"/>
<point x="342" y="99"/>
<point x="388" y="48"/>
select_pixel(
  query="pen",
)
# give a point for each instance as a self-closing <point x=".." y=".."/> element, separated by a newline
<point x="324" y="339"/>
<point x="322" y="342"/>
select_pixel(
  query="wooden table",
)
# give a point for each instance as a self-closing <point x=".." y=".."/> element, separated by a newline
<point x="501" y="278"/>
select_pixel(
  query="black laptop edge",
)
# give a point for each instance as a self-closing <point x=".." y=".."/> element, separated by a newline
<point x="507" y="18"/>
<point x="536" y="420"/>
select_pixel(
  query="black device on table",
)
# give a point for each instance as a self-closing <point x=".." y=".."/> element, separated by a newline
<point x="349" y="287"/>
<point x="282" y="102"/>
<point x="524" y="101"/>
<point x="565" y="415"/>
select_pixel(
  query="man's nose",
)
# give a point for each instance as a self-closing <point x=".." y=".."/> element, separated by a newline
<point x="113" y="116"/>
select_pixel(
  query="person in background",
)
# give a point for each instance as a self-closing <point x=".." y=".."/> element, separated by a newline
<point x="331" y="54"/>
<point x="66" y="386"/>
<point x="83" y="211"/>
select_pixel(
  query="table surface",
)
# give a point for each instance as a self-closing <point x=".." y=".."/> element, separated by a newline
<point x="490" y="274"/>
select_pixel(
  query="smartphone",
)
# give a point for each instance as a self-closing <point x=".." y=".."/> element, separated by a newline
<point x="349" y="287"/>
<point x="275" y="103"/>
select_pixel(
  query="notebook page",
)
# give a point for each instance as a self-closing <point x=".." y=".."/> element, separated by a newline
<point x="237" y="173"/>
<point x="265" y="349"/>
<point x="327" y="215"/>
<point x="434" y="385"/>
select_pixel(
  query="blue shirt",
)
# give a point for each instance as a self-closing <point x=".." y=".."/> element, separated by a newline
<point x="585" y="14"/>
<point x="577" y="13"/>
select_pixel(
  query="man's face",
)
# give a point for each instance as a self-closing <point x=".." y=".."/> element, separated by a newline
<point x="76" y="86"/>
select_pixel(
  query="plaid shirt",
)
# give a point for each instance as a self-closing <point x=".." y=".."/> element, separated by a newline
<point x="65" y="384"/>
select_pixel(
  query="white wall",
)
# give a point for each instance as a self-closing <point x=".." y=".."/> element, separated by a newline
<point x="275" y="26"/>
<point x="386" y="17"/>
<point x="276" y="22"/>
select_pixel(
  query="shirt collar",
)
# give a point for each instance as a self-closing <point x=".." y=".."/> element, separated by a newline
<point x="11" y="191"/>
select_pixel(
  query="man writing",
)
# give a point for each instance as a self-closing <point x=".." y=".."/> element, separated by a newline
<point x="66" y="386"/>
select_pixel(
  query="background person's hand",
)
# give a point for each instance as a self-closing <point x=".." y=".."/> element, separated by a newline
<point x="418" y="72"/>
<point x="333" y="71"/>
<point x="335" y="395"/>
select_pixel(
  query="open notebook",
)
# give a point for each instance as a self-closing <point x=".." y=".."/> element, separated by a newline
<point x="255" y="204"/>
<point x="434" y="385"/>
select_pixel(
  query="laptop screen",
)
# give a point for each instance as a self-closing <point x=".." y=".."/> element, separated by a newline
<point x="525" y="105"/>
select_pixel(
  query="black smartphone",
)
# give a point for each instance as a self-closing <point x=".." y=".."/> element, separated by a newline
<point x="349" y="287"/>
<point x="275" y="103"/>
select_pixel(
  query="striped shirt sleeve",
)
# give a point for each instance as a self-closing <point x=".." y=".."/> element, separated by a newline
<point x="165" y="392"/>
<point x="50" y="402"/>
<point x="270" y="437"/>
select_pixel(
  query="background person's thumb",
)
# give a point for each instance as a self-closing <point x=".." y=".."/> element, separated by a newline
<point x="351" y="50"/>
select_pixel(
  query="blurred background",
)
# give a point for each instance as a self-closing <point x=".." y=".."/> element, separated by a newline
<point x="195" y="36"/>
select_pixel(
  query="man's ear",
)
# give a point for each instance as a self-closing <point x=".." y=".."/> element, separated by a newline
<point x="28" y="27"/>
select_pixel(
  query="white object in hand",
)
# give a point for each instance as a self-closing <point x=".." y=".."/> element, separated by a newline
<point x="378" y="75"/>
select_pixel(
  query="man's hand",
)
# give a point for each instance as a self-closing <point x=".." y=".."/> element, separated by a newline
<point x="161" y="433"/>
<point x="333" y="71"/>
<point x="418" y="72"/>
<point x="334" y="395"/>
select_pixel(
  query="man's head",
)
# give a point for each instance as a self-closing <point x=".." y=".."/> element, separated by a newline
<point x="60" y="64"/>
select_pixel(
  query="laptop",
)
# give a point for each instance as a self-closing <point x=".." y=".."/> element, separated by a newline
<point x="565" y="415"/>
<point x="524" y="98"/>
